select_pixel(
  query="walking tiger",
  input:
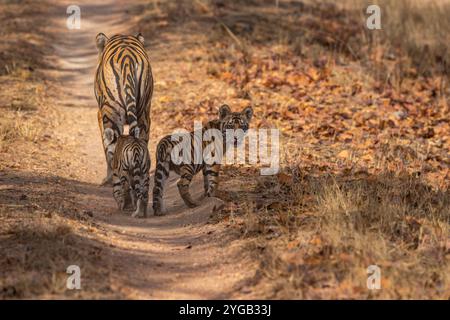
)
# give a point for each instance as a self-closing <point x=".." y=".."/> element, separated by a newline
<point x="227" y="120"/>
<point x="123" y="89"/>
<point x="130" y="166"/>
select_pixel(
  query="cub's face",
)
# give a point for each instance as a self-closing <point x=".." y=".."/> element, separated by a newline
<point x="235" y="121"/>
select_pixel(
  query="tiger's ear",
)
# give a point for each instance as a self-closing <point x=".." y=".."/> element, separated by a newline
<point x="140" y="37"/>
<point x="248" y="112"/>
<point x="224" y="111"/>
<point x="100" y="41"/>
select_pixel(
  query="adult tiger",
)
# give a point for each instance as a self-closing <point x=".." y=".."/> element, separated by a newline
<point x="123" y="89"/>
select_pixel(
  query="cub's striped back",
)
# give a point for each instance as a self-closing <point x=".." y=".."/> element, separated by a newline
<point x="123" y="89"/>
<point x="131" y="165"/>
<point x="227" y="120"/>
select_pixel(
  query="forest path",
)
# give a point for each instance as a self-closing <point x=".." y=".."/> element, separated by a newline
<point x="178" y="256"/>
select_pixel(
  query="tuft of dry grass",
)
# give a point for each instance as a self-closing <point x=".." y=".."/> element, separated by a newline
<point x="19" y="127"/>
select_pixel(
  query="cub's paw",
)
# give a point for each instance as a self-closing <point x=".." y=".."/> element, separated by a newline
<point x="159" y="213"/>
<point x="107" y="182"/>
<point x="210" y="193"/>
<point x="158" y="210"/>
<point x="138" y="214"/>
<point x="192" y="204"/>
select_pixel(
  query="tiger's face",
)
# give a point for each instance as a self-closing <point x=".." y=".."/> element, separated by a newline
<point x="237" y="122"/>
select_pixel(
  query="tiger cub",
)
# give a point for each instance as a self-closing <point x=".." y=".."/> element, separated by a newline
<point x="227" y="120"/>
<point x="130" y="166"/>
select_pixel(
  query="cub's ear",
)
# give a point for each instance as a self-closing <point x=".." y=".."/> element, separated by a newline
<point x="224" y="111"/>
<point x="140" y="37"/>
<point x="248" y="112"/>
<point x="100" y="41"/>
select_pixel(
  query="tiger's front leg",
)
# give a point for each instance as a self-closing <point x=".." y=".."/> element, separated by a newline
<point x="111" y="129"/>
<point x="106" y="180"/>
<point x="211" y="179"/>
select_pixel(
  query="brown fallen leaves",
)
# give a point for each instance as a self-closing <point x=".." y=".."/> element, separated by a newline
<point x="335" y="113"/>
<point x="364" y="178"/>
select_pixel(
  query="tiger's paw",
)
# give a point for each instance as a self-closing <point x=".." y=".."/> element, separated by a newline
<point x="158" y="209"/>
<point x="192" y="204"/>
<point x="129" y="204"/>
<point x="210" y="193"/>
<point x="107" y="182"/>
<point x="141" y="209"/>
<point x="159" y="213"/>
<point x="138" y="214"/>
<point x="121" y="206"/>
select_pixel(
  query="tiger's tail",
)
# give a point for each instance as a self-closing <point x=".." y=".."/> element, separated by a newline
<point x="131" y="103"/>
<point x="136" y="171"/>
<point x="132" y="118"/>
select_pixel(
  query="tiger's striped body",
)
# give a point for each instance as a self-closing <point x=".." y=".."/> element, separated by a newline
<point x="186" y="171"/>
<point x="123" y="89"/>
<point x="130" y="166"/>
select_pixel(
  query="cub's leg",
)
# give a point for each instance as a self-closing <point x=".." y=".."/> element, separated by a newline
<point x="142" y="197"/>
<point x="211" y="179"/>
<point x="161" y="175"/>
<point x="186" y="174"/>
<point x="119" y="192"/>
<point x="133" y="199"/>
<point x="130" y="201"/>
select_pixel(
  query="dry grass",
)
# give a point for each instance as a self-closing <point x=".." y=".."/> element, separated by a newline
<point x="23" y="101"/>
<point x="315" y="232"/>
<point x="316" y="237"/>
<point x="414" y="40"/>
<point x="19" y="127"/>
<point x="419" y="29"/>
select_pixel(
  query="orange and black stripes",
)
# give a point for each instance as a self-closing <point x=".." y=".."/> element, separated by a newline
<point x="165" y="164"/>
<point x="130" y="166"/>
<point x="123" y="88"/>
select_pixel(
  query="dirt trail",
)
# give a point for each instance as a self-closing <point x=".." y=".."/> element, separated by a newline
<point x="179" y="255"/>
